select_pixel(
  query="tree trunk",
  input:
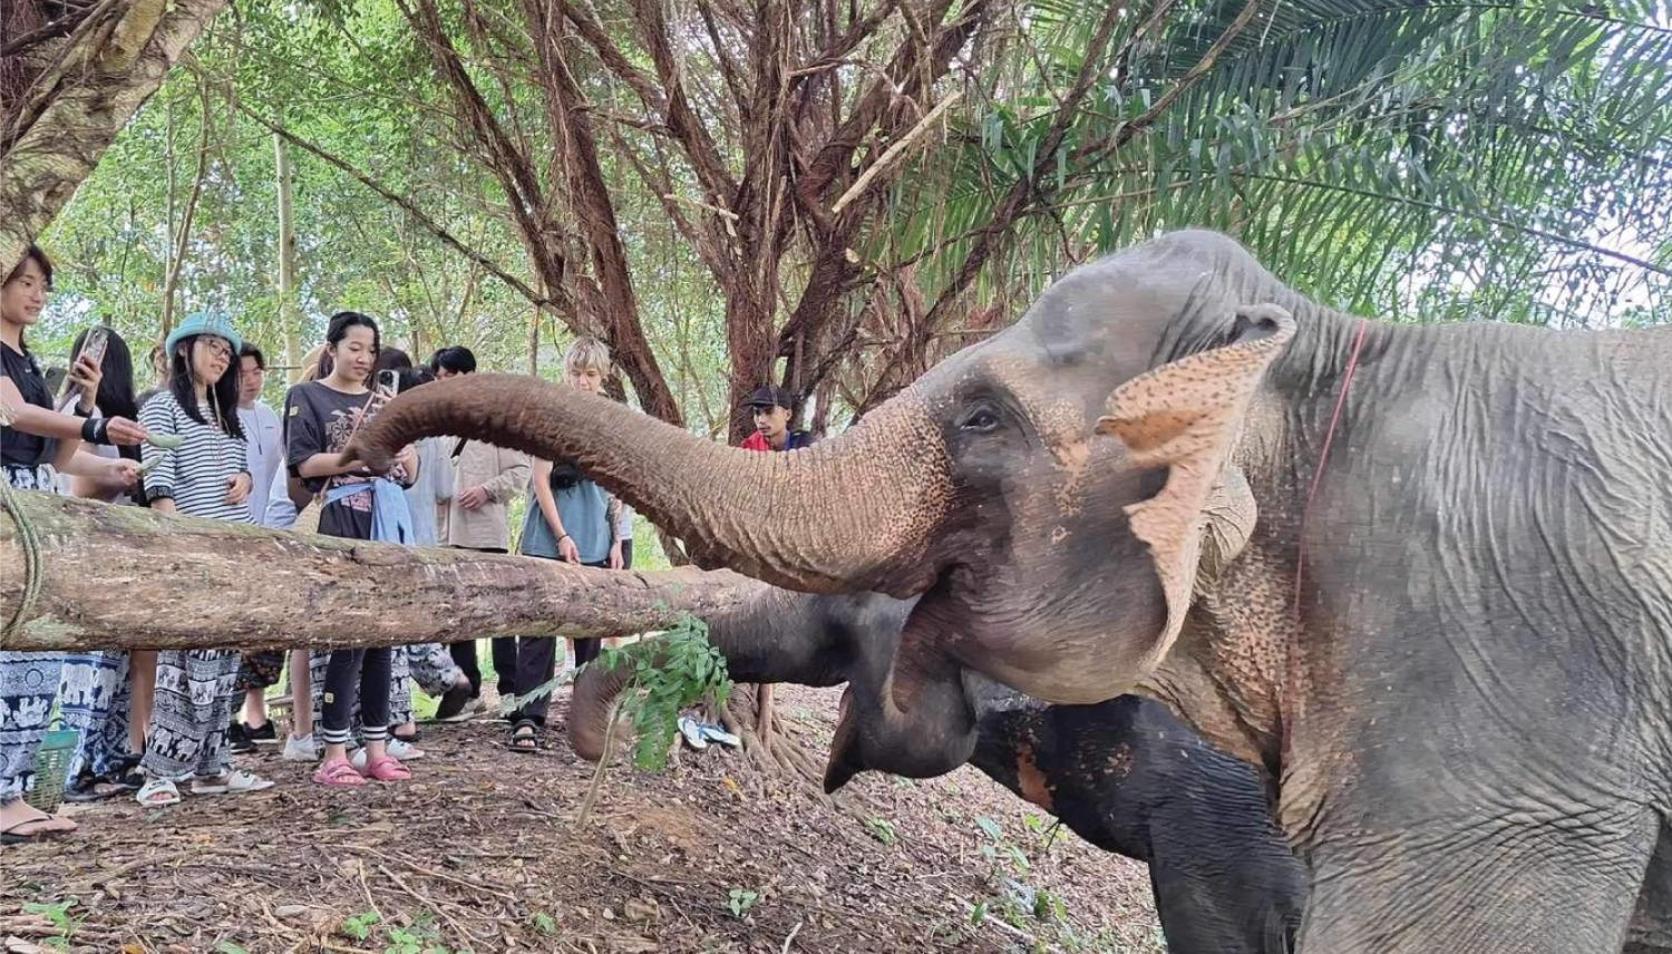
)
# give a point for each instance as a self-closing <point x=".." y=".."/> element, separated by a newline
<point x="129" y="578"/>
<point x="288" y="319"/>
<point x="115" y="62"/>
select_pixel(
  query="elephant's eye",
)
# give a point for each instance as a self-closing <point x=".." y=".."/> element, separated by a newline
<point x="981" y="421"/>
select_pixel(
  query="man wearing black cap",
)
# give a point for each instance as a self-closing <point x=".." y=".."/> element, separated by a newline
<point x="773" y="412"/>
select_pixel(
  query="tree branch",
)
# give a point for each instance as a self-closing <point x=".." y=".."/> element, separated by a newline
<point x="419" y="215"/>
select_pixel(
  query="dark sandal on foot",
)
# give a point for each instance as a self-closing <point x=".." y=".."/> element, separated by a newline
<point x="525" y="738"/>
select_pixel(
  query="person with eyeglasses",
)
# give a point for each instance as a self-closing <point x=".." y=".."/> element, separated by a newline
<point x="206" y="475"/>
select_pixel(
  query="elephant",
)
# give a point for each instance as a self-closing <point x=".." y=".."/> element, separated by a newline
<point x="1418" y="573"/>
<point x="1125" y="774"/>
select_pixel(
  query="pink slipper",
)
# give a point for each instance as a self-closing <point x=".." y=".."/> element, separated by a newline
<point x="337" y="773"/>
<point x="387" y="769"/>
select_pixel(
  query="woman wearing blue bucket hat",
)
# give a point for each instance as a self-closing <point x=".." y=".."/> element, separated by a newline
<point x="205" y="474"/>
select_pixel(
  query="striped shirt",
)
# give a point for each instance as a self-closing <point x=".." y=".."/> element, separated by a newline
<point x="196" y="476"/>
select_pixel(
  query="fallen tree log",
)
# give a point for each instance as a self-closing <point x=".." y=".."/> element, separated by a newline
<point x="128" y="578"/>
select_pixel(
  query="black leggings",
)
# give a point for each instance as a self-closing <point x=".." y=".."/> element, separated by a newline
<point x="536" y="664"/>
<point x="352" y="672"/>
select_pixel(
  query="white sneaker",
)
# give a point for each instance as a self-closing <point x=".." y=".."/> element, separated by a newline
<point x="303" y="749"/>
<point x="403" y="750"/>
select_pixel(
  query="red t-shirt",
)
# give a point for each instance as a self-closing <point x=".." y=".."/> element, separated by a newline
<point x="756" y="441"/>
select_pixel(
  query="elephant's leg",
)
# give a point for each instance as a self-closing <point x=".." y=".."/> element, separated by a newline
<point x="1651" y="924"/>
<point x="1491" y="886"/>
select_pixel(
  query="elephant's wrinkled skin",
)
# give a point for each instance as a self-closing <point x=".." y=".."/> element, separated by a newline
<point x="1125" y="774"/>
<point x="1464" y="689"/>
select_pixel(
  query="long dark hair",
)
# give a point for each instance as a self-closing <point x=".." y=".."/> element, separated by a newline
<point x="116" y="388"/>
<point x="337" y="330"/>
<point x="223" y="394"/>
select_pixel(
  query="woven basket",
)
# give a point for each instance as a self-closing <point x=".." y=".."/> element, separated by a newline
<point x="52" y="763"/>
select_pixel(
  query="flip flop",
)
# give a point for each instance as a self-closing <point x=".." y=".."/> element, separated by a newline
<point x="692" y="731"/>
<point x="15" y="835"/>
<point x="235" y="782"/>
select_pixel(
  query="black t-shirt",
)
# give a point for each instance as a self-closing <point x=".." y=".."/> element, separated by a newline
<point x="320" y="420"/>
<point x="18" y="449"/>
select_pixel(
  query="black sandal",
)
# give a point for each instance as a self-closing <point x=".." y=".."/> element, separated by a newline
<point x="525" y="737"/>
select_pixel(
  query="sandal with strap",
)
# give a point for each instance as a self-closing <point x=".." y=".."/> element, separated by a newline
<point x="337" y="773"/>
<point x="234" y="782"/>
<point x="387" y="769"/>
<point x="158" y="793"/>
<point x="47" y="826"/>
<point x="525" y="738"/>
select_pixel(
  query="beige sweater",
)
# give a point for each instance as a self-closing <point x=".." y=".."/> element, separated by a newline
<point x="504" y="473"/>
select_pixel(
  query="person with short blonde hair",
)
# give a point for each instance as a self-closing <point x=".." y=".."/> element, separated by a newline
<point x="569" y="519"/>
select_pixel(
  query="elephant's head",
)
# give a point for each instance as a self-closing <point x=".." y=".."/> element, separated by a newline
<point x="1047" y="556"/>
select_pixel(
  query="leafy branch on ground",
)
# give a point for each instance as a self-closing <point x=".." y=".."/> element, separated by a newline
<point x="669" y="673"/>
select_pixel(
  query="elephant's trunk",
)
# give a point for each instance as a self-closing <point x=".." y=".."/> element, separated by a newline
<point x="773" y="636"/>
<point x="847" y="514"/>
<point x="591" y="706"/>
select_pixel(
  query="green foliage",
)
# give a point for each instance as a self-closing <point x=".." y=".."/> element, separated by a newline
<point x="881" y="829"/>
<point x="419" y="938"/>
<point x="58" y="914"/>
<point x="359" y="926"/>
<point x="1393" y="157"/>
<point x="545" y="923"/>
<point x="740" y="900"/>
<point x="671" y="672"/>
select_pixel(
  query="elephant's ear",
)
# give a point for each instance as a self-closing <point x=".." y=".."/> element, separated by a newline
<point x="1186" y="416"/>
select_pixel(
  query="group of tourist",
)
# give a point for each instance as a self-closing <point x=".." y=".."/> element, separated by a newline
<point x="160" y="726"/>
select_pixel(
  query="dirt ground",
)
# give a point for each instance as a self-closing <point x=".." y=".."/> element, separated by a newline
<point x="482" y="852"/>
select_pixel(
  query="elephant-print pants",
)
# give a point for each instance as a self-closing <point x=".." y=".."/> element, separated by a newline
<point x="93" y="698"/>
<point x="28" y="681"/>
<point x="28" y="686"/>
<point x="191" y="713"/>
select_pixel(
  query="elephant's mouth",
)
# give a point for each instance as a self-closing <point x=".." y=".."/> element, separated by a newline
<point x="909" y="712"/>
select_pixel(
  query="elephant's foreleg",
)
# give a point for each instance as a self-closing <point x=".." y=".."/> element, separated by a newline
<point x="1491" y="885"/>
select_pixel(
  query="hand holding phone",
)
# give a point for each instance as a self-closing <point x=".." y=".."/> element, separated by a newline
<point x="86" y="368"/>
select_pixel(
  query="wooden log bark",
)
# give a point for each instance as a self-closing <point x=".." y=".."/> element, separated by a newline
<point x="128" y="578"/>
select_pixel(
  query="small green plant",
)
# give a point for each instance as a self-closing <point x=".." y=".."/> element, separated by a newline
<point x="58" y="914"/>
<point x="1049" y="830"/>
<point x="545" y="923"/>
<point x="881" y="829"/>
<point x="359" y="927"/>
<point x="228" y="947"/>
<point x="741" y="900"/>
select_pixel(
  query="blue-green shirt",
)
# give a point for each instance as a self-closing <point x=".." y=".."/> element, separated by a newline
<point x="584" y="510"/>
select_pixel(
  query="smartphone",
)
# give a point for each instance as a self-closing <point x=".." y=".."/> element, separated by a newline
<point x="94" y="347"/>
<point x="389" y="382"/>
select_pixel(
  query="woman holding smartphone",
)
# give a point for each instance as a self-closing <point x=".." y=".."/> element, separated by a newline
<point x="95" y="694"/>
<point x="320" y="418"/>
<point x="208" y="476"/>
<point x="34" y="442"/>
